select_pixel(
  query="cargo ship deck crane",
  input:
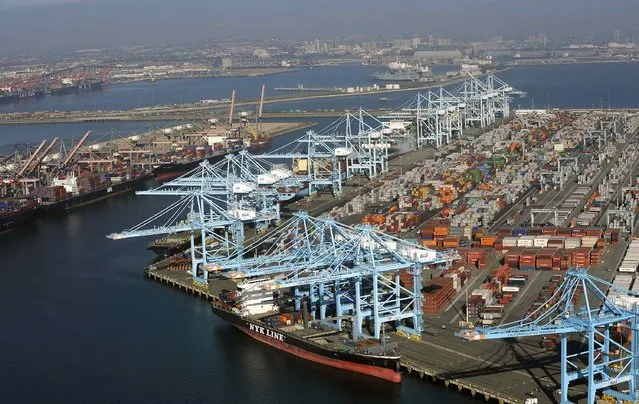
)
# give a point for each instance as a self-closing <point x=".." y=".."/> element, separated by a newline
<point x="30" y="160"/>
<point x="43" y="155"/>
<point x="258" y="123"/>
<point x="75" y="149"/>
<point x="204" y="220"/>
<point x="594" y="320"/>
<point x="353" y="271"/>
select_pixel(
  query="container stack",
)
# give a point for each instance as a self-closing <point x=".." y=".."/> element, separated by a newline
<point x="88" y="183"/>
<point x="283" y="319"/>
<point x="545" y="297"/>
<point x="406" y="279"/>
<point x="581" y="257"/>
<point x="52" y="194"/>
<point x="630" y="260"/>
<point x="436" y="293"/>
<point x="400" y="222"/>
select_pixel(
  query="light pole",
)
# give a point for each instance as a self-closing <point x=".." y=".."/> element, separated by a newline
<point x="608" y="100"/>
<point x="548" y="101"/>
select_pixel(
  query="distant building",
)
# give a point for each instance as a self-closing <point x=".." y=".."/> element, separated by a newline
<point x="438" y="55"/>
<point x="227" y="62"/>
<point x="443" y="42"/>
<point x="616" y="36"/>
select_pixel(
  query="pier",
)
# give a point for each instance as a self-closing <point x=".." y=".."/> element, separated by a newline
<point x="524" y="368"/>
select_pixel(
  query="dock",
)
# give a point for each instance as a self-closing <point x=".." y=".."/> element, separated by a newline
<point x="514" y="370"/>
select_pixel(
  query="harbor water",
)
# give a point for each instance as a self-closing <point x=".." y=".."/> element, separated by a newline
<point x="79" y="323"/>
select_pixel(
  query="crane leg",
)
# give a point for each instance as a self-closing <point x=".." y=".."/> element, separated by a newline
<point x="564" y="369"/>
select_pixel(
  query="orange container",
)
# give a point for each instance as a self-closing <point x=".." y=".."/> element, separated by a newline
<point x="488" y="241"/>
<point x="441" y="231"/>
<point x="429" y="243"/>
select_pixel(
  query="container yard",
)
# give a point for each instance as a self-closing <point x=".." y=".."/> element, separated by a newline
<point x="476" y="256"/>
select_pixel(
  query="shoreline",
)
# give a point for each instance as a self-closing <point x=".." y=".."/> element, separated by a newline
<point x="173" y="114"/>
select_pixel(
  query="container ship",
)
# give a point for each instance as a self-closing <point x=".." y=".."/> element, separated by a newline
<point x="69" y="86"/>
<point x="258" y="144"/>
<point x="180" y="160"/>
<point x="253" y="312"/>
<point x="170" y="244"/>
<point x="65" y="193"/>
<point x="16" y="212"/>
<point x="399" y="71"/>
<point x="70" y="191"/>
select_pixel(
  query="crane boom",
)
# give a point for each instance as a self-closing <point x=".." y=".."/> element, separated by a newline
<point x="259" y="113"/>
<point x="76" y="148"/>
<point x="33" y="156"/>
<point x="7" y="158"/>
<point x="252" y="130"/>
<point x="43" y="155"/>
<point x="232" y="106"/>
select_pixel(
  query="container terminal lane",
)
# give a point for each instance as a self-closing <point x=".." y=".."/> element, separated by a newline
<point x="523" y="212"/>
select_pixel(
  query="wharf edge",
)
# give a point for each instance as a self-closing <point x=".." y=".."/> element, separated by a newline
<point x="406" y="365"/>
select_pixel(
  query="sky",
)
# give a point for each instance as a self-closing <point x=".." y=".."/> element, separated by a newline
<point x="40" y="25"/>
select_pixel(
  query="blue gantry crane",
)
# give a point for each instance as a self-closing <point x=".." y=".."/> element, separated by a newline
<point x="595" y="320"/>
<point x="242" y="185"/>
<point x="439" y="116"/>
<point x="351" y="272"/>
<point x="354" y="144"/>
<point x="219" y="234"/>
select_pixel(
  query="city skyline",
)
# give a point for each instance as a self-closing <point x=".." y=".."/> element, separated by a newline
<point x="73" y="24"/>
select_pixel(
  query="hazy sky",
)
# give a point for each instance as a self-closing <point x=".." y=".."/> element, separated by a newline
<point x="68" y="24"/>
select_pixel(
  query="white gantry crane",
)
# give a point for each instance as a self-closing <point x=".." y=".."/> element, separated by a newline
<point x="437" y="117"/>
<point x="347" y="273"/>
<point x="355" y="144"/>
<point x="212" y="231"/>
<point x="580" y="307"/>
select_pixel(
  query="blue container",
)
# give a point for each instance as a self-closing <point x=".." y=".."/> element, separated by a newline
<point x="520" y="231"/>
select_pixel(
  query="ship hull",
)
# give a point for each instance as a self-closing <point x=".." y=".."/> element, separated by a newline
<point x="166" y="250"/>
<point x="381" y="367"/>
<point x="11" y="221"/>
<point x="393" y="77"/>
<point x="259" y="145"/>
<point x="169" y="171"/>
<point x="93" y="196"/>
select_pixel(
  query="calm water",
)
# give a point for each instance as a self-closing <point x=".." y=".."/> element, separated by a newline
<point x="80" y="324"/>
<point x="144" y="93"/>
